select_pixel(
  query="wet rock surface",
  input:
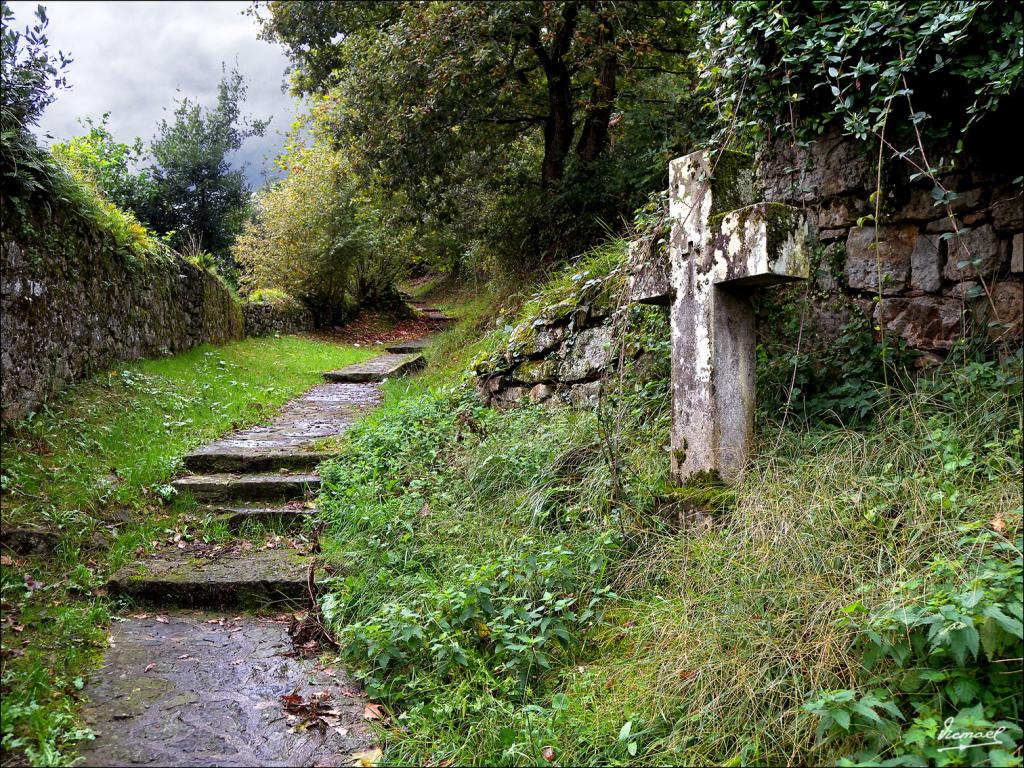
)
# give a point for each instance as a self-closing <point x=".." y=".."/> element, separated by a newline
<point x="378" y="369"/>
<point x="325" y="410"/>
<point x="254" y="579"/>
<point x="196" y="689"/>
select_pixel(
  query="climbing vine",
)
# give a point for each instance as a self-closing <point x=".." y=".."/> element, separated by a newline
<point x="823" y="62"/>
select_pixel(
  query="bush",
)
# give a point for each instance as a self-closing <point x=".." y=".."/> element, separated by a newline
<point x="310" y="238"/>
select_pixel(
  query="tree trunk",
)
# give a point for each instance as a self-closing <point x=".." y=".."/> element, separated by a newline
<point x="558" y="124"/>
<point x="594" y="138"/>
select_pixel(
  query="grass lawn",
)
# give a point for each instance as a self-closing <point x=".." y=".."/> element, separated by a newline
<point x="93" y="467"/>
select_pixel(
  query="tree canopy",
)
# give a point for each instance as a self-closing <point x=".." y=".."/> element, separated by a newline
<point x="197" y="195"/>
<point x="429" y="96"/>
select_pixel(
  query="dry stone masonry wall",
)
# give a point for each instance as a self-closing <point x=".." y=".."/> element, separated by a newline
<point x="561" y="354"/>
<point x="71" y="305"/>
<point x="263" y="318"/>
<point x="936" y="283"/>
<point x="939" y="275"/>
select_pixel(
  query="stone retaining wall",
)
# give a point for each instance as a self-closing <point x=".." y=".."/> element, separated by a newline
<point x="939" y="275"/>
<point x="263" y="318"/>
<point x="929" y="295"/>
<point x="72" y="304"/>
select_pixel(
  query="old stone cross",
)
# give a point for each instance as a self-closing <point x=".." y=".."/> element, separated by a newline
<point x="720" y="249"/>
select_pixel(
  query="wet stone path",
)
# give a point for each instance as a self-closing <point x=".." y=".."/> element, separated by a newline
<point x="202" y="671"/>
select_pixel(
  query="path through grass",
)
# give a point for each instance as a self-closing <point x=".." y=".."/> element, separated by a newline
<point x="93" y="468"/>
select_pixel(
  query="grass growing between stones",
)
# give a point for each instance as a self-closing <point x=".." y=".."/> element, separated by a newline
<point x="519" y="588"/>
<point x="93" y="469"/>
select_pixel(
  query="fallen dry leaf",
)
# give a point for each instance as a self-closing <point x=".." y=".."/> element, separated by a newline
<point x="163" y="620"/>
<point x="373" y="712"/>
<point x="367" y="759"/>
<point x="998" y="524"/>
<point x="6" y="560"/>
<point x="548" y="753"/>
<point x="185" y="656"/>
<point x="149" y="667"/>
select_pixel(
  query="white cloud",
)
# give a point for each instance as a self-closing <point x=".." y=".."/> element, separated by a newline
<point x="132" y="58"/>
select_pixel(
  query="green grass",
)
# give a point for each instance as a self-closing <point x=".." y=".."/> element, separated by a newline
<point x="93" y="467"/>
<point x="504" y="592"/>
<point x="116" y="439"/>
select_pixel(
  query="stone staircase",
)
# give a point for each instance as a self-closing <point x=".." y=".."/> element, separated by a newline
<point x="427" y="310"/>
<point x="180" y="686"/>
<point x="267" y="475"/>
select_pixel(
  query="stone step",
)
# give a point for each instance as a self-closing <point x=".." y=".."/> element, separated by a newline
<point x="437" y="316"/>
<point x="379" y="368"/>
<point x="197" y="688"/>
<point x="262" y="487"/>
<point x="215" y="458"/>
<point x="249" y="579"/>
<point x="271" y="517"/>
<point x="408" y="347"/>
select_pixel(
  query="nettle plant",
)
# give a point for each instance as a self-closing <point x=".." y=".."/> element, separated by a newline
<point x="955" y="646"/>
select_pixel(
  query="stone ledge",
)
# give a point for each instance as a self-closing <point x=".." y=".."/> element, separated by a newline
<point x="252" y="579"/>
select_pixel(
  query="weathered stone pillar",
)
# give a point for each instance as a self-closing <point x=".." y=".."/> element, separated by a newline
<point x="718" y="255"/>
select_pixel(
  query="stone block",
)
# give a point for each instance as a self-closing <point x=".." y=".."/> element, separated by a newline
<point x="1008" y="213"/>
<point x="926" y="262"/>
<point x="977" y="250"/>
<point x="584" y="395"/>
<point x="962" y="291"/>
<point x="1008" y="300"/>
<point x="588" y="355"/>
<point x="895" y="246"/>
<point x="839" y="213"/>
<point x="762" y="244"/>
<point x="943" y="224"/>
<point x="921" y="206"/>
<point x="536" y="339"/>
<point x="541" y="392"/>
<point x="535" y="371"/>
<point x="649" y="268"/>
<point x="831" y="235"/>
<point x="928" y="323"/>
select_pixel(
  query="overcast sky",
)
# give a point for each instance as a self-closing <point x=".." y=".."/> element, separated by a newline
<point x="130" y="58"/>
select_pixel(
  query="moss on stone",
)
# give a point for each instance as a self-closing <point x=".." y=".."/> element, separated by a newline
<point x="704" y="491"/>
<point x="733" y="184"/>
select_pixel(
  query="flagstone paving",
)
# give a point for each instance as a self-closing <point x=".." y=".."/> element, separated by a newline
<point x="197" y="689"/>
<point x="185" y="688"/>
<point x="379" y="368"/>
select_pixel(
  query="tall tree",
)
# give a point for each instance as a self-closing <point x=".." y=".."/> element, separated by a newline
<point x="197" y="195"/>
<point x="420" y="83"/>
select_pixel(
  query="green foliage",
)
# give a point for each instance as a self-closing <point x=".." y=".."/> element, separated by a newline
<point x="93" y="467"/>
<point x="714" y="640"/>
<point x="858" y="62"/>
<point x="29" y="73"/>
<point x="511" y="130"/>
<point x="196" y="195"/>
<point x="269" y="296"/>
<point x="109" y="166"/>
<point x="318" y="237"/>
<point x="958" y="639"/>
<point x="140" y="418"/>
